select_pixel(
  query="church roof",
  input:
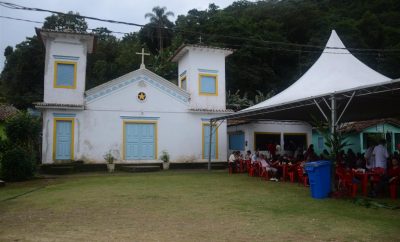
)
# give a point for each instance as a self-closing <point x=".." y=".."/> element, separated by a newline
<point x="43" y="105"/>
<point x="336" y="70"/>
<point x="361" y="125"/>
<point x="183" y="49"/>
<point x="46" y="33"/>
<point x="140" y="74"/>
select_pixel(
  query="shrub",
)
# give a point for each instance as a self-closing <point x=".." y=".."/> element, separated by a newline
<point x="17" y="164"/>
<point x="24" y="130"/>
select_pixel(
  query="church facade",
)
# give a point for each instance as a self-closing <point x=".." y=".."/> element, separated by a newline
<point x="136" y="116"/>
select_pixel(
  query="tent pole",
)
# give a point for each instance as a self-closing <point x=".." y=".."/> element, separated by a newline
<point x="209" y="146"/>
<point x="345" y="107"/>
<point x="333" y="114"/>
<point x="322" y="111"/>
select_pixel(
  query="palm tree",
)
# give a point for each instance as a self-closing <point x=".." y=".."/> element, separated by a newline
<point x="160" y="18"/>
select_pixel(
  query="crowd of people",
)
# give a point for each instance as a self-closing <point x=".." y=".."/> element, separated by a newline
<point x="376" y="159"/>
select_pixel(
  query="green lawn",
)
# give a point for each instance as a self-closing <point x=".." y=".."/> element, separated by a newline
<point x="183" y="206"/>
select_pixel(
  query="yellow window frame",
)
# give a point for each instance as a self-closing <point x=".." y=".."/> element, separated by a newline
<point x="216" y="84"/>
<point x="55" y="74"/>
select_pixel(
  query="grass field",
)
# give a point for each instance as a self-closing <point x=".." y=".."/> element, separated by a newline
<point x="183" y="206"/>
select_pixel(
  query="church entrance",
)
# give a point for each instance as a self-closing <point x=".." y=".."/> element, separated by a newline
<point x="140" y="140"/>
<point x="63" y="139"/>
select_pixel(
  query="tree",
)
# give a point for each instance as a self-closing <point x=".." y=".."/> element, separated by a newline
<point x="22" y="76"/>
<point x="159" y="19"/>
<point x="235" y="102"/>
<point x="70" y="21"/>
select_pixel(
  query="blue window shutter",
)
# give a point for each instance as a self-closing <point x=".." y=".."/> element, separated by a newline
<point x="236" y="141"/>
<point x="65" y="74"/>
<point x="208" y="84"/>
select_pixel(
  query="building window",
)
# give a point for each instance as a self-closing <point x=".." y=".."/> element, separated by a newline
<point x="262" y="140"/>
<point x="320" y="143"/>
<point x="371" y="139"/>
<point x="184" y="83"/>
<point x="208" y="84"/>
<point x="397" y="141"/>
<point x="236" y="141"/>
<point x="65" y="74"/>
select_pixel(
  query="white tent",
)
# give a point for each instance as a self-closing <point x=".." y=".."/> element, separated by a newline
<point x="337" y="79"/>
<point x="336" y="70"/>
<point x="338" y="86"/>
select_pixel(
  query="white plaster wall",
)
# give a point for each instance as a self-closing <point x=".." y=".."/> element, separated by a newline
<point x="65" y="47"/>
<point x="125" y="99"/>
<point x="271" y="127"/>
<point x="203" y="58"/>
<point x="96" y="132"/>
<point x="99" y="128"/>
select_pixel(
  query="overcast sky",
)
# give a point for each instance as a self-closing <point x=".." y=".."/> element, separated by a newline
<point x="13" y="32"/>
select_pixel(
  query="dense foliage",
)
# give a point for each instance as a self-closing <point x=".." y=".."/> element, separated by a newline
<point x="17" y="164"/>
<point x="252" y="29"/>
<point x="23" y="130"/>
<point x="20" y="151"/>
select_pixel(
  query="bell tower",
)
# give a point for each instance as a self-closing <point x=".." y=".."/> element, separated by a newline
<point x="65" y="65"/>
<point x="201" y="72"/>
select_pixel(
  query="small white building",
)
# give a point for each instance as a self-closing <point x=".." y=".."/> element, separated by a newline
<point x="255" y="135"/>
<point x="136" y="116"/>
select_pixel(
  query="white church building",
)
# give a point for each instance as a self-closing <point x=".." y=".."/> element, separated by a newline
<point x="135" y="116"/>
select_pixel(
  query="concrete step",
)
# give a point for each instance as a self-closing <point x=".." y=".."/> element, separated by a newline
<point x="61" y="170"/>
<point x="140" y="168"/>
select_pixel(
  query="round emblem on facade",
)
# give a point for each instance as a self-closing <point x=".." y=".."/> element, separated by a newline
<point x="141" y="96"/>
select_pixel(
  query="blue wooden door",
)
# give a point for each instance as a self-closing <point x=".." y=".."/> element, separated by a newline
<point x="140" y="141"/>
<point x="206" y="142"/>
<point x="63" y="140"/>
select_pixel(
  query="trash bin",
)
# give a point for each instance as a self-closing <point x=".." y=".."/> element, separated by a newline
<point x="319" y="176"/>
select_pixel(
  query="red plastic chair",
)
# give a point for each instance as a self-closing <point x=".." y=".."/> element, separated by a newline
<point x="393" y="188"/>
<point x="264" y="173"/>
<point x="302" y="178"/>
<point x="254" y="169"/>
<point x="291" y="172"/>
<point x="346" y="182"/>
<point x="376" y="176"/>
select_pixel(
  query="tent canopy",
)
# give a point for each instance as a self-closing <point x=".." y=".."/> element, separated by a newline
<point x="337" y="73"/>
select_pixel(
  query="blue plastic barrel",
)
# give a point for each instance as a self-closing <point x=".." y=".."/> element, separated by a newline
<point x="319" y="176"/>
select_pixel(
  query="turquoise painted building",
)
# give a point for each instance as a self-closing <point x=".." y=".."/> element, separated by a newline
<point x="358" y="134"/>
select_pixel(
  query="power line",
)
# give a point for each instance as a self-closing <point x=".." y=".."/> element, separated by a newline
<point x="19" y="7"/>
<point x="298" y="50"/>
<point x="38" y="22"/>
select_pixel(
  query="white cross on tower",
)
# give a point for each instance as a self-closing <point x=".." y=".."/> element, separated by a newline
<point x="142" y="66"/>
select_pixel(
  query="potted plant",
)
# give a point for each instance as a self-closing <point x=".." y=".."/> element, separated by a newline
<point x="110" y="161"/>
<point x="165" y="158"/>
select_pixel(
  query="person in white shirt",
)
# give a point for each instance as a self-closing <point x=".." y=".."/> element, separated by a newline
<point x="265" y="165"/>
<point x="233" y="161"/>
<point x="369" y="157"/>
<point x="381" y="154"/>
<point x="248" y="155"/>
<point x="254" y="157"/>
